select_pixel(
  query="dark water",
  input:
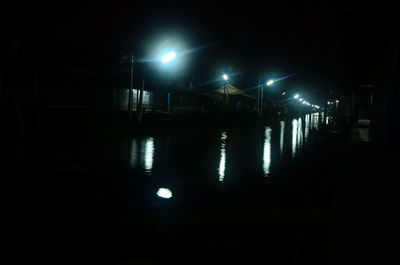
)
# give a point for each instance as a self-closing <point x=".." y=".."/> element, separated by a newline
<point x="203" y="195"/>
<point x="163" y="194"/>
<point x="197" y="164"/>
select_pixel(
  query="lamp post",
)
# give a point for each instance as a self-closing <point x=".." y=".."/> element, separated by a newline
<point x="268" y="83"/>
<point x="168" y="57"/>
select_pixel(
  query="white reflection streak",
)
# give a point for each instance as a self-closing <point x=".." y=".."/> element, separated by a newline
<point x="299" y="133"/>
<point x="294" y="136"/>
<point x="149" y="154"/>
<point x="134" y="154"/>
<point x="307" y="125"/>
<point x="316" y="118"/>
<point x="281" y="138"/>
<point x="267" y="151"/>
<point x="221" y="168"/>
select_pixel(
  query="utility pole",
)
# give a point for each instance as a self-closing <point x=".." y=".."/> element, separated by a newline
<point x="140" y="106"/>
<point x="226" y="92"/>
<point x="130" y="93"/>
<point x="258" y="98"/>
<point x="262" y="99"/>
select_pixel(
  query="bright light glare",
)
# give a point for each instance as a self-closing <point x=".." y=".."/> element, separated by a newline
<point x="300" y="99"/>
<point x="294" y="137"/>
<point x="222" y="161"/>
<point x="337" y="101"/>
<point x="168" y="57"/>
<point x="164" y="193"/>
<point x="225" y="77"/>
<point x="270" y="82"/>
<point x="267" y="151"/>
<point x="296" y="96"/>
<point x="148" y="154"/>
<point x="283" y="93"/>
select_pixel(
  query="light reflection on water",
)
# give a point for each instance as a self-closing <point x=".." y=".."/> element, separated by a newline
<point x="164" y="193"/>
<point x="307" y="126"/>
<point x="294" y="137"/>
<point x="281" y="138"/>
<point x="298" y="137"/>
<point x="299" y="143"/>
<point x="314" y="120"/>
<point x="134" y="154"/>
<point x="148" y="155"/>
<point x="267" y="151"/>
<point x="141" y="154"/>
<point x="141" y="151"/>
<point x="222" y="160"/>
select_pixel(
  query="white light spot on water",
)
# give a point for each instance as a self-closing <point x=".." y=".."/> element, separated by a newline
<point x="148" y="154"/>
<point x="267" y="151"/>
<point x="164" y="193"/>
<point x="221" y="168"/>
<point x="294" y="137"/>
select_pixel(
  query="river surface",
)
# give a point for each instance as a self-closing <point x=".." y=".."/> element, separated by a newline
<point x="203" y="164"/>
<point x="106" y="197"/>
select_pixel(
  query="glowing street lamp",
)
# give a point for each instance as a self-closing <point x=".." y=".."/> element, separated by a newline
<point x="168" y="57"/>
<point x="165" y="59"/>
<point x="296" y="96"/>
<point x="225" y="77"/>
<point x="270" y="82"/>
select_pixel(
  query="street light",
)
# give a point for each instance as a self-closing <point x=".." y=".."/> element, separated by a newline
<point x="270" y="82"/>
<point x="296" y="96"/>
<point x="225" y="77"/>
<point x="168" y="57"/>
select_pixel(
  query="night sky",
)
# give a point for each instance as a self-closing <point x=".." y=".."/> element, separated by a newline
<point x="318" y="41"/>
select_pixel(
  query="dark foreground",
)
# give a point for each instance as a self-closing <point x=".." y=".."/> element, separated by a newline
<point x="335" y="202"/>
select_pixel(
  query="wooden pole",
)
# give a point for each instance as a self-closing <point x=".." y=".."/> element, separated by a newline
<point x="261" y="102"/>
<point x="140" y="106"/>
<point x="130" y="93"/>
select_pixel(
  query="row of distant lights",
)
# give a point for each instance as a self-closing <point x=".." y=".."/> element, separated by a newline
<point x="270" y="82"/>
<point x="305" y="102"/>
<point x="331" y="102"/>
